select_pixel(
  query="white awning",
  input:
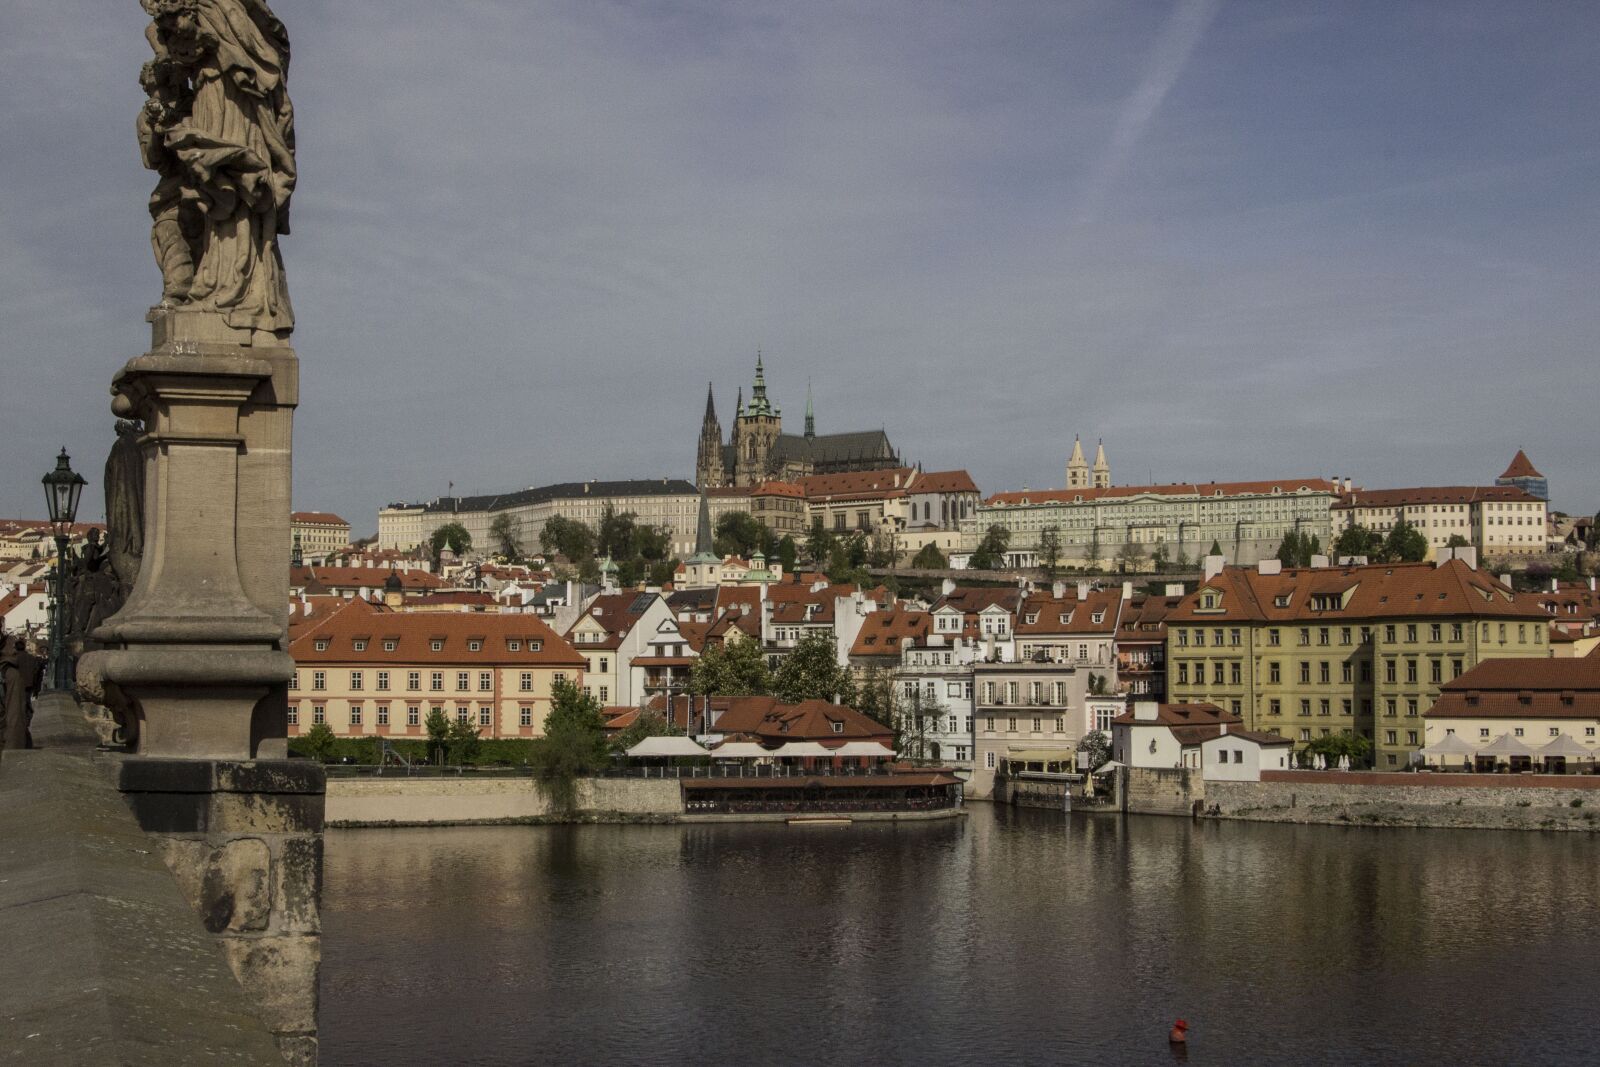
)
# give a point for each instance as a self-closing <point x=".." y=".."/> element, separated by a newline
<point x="739" y="750"/>
<point x="803" y="748"/>
<point x="1565" y="746"/>
<point x="1450" y="745"/>
<point x="666" y="746"/>
<point x="1505" y="745"/>
<point x="865" y="748"/>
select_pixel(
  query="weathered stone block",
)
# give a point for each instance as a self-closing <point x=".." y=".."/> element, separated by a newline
<point x="280" y="975"/>
<point x="299" y="890"/>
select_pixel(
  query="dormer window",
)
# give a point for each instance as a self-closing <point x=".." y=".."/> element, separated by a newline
<point x="389" y="644"/>
<point x="534" y="646"/>
<point x="1031" y="618"/>
<point x="360" y="644"/>
<point x="513" y="646"/>
<point x="322" y="646"/>
<point x="1099" y="617"/>
<point x="838" y="727"/>
<point x="474" y="646"/>
<point x="437" y="644"/>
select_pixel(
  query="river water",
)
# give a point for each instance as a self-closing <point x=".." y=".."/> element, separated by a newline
<point x="1022" y="937"/>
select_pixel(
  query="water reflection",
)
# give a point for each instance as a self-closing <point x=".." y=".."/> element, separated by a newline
<point x="1014" y="937"/>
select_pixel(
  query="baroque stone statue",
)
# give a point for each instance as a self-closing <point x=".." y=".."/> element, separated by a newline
<point x="218" y="128"/>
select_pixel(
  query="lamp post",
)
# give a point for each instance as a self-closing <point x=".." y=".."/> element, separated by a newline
<point x="62" y="487"/>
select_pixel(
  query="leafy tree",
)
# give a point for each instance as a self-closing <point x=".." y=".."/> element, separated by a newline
<point x="647" y="724"/>
<point x="1405" y="544"/>
<point x="1130" y="555"/>
<point x="661" y="573"/>
<point x="1159" y="558"/>
<point x="568" y="538"/>
<point x="318" y="741"/>
<point x="653" y="544"/>
<point x="1216" y="549"/>
<point x="461" y="743"/>
<point x="574" y="744"/>
<point x="1457" y="541"/>
<point x="1095" y="750"/>
<point x="1334" y="746"/>
<point x="738" y="533"/>
<point x="505" y="534"/>
<point x="1050" y="551"/>
<point x="787" y="553"/>
<point x="1183" y="562"/>
<point x="856" y="548"/>
<point x="438" y="728"/>
<point x="615" y="537"/>
<point x="929" y="558"/>
<point x="1098" y="686"/>
<point x="991" y="551"/>
<point x="1567" y="571"/>
<point x="819" y="543"/>
<point x="882" y="549"/>
<point x="738" y="669"/>
<point x="812" y="672"/>
<point x="451" y="535"/>
<point x="1357" y="540"/>
<point x="876" y="698"/>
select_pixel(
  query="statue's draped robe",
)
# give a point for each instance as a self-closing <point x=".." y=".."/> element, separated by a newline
<point x="237" y="151"/>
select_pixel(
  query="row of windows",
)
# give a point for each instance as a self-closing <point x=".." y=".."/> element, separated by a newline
<point x="485" y="715"/>
<point x="1011" y="724"/>
<point x="357" y="680"/>
<point x="1233" y="637"/>
<point x="1037" y="692"/>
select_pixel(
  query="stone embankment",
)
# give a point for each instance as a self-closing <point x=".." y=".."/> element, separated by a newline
<point x="399" y="800"/>
<point x="1464" y="801"/>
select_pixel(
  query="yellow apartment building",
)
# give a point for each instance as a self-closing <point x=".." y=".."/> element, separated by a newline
<point x="1309" y="652"/>
<point x="366" y="672"/>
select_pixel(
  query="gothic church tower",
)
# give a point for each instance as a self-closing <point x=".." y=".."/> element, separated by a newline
<point x="708" y="469"/>
<point x="755" y="433"/>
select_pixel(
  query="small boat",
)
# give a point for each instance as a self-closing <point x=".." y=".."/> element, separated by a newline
<point x="819" y="820"/>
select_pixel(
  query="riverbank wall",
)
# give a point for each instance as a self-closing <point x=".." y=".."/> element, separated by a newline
<point x="1461" y="801"/>
<point x="467" y="801"/>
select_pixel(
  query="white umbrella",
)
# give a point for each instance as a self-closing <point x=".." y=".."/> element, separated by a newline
<point x="739" y="750"/>
<point x="803" y="748"/>
<point x="876" y="749"/>
<point x="1505" y="745"/>
<point x="1450" y="745"/>
<point x="666" y="746"/>
<point x="1565" y="747"/>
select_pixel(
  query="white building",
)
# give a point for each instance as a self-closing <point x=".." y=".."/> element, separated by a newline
<point x="1164" y="736"/>
<point x="935" y="680"/>
<point x="1241" y="755"/>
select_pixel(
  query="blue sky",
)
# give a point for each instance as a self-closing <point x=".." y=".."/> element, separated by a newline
<point x="1234" y="239"/>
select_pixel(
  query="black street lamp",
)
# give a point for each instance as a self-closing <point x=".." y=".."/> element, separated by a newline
<point x="62" y="487"/>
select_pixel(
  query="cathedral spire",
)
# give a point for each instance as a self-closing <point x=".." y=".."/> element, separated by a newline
<point x="711" y="405"/>
<point x="1077" y="466"/>
<point x="759" y="404"/>
<point x="1102" y="469"/>
<point x="811" y="418"/>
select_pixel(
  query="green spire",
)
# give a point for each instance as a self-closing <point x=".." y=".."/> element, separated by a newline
<point x="759" y="404"/>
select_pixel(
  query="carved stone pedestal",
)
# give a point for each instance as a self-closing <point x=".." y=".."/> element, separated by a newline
<point x="198" y="651"/>
<point x="244" y="841"/>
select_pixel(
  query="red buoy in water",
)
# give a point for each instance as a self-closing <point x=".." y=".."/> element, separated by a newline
<point x="1180" y="1033"/>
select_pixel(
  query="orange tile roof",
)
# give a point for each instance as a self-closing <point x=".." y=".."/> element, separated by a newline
<point x="810" y="720"/>
<point x="312" y="577"/>
<point x="778" y="489"/>
<point x="1437" y="494"/>
<point x="944" y="482"/>
<point x="883" y="631"/>
<point x="1521" y="467"/>
<point x="415" y="632"/>
<point x="320" y="518"/>
<point x="1376" y="591"/>
<point x="1522" y="689"/>
<point x="1048" y="614"/>
<point x="1201" y="489"/>
<point x="857" y="485"/>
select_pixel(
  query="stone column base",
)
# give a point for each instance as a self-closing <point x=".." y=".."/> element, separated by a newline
<point x="244" y="841"/>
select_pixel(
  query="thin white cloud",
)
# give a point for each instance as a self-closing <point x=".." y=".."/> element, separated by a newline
<point x="1176" y="44"/>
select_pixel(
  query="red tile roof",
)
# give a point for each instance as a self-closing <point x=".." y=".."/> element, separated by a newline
<point x="1204" y="489"/>
<point x="415" y="632"/>
<point x="1069" y="615"/>
<point x="944" y="482"/>
<point x="774" y="723"/>
<point x="857" y="485"/>
<point x="314" y="578"/>
<point x="1521" y="467"/>
<point x="319" y="518"/>
<point x="883" y="631"/>
<point x="1522" y="689"/>
<point x="788" y="489"/>
<point x="1436" y="494"/>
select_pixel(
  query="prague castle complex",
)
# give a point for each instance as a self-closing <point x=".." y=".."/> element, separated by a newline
<point x="757" y="450"/>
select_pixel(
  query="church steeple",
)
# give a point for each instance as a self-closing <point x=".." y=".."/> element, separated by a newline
<point x="1077" y="466"/>
<point x="709" y="469"/>
<point x="811" y="418"/>
<point x="759" y="404"/>
<point x="1102" y="469"/>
